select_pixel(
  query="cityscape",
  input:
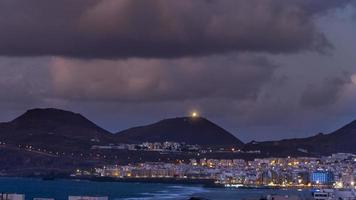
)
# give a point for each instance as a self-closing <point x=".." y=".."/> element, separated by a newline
<point x="335" y="171"/>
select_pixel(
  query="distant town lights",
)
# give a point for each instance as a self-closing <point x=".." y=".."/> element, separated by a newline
<point x="338" y="184"/>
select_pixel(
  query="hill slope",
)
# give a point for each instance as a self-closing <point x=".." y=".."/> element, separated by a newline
<point x="184" y="129"/>
<point x="53" y="128"/>
<point x="341" y="140"/>
<point x="67" y="131"/>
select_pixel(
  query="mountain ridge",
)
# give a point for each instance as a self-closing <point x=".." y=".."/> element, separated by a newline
<point x="340" y="140"/>
<point x="54" y="129"/>
<point x="55" y="125"/>
<point x="62" y="129"/>
<point x="40" y="141"/>
<point x="180" y="129"/>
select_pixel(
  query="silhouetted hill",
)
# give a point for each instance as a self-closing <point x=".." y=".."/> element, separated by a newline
<point x="72" y="136"/>
<point x="341" y="140"/>
<point x="46" y="141"/>
<point x="191" y="130"/>
<point x="61" y="130"/>
<point x="53" y="128"/>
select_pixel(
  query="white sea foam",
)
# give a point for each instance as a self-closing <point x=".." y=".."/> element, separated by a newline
<point x="173" y="192"/>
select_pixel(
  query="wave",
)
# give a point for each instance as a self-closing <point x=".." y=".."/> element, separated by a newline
<point x="171" y="192"/>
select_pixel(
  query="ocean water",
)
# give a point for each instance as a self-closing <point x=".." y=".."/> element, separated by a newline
<point x="61" y="189"/>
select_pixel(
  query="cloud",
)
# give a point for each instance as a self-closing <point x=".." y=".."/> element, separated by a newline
<point x="325" y="94"/>
<point x="145" y="80"/>
<point x="19" y="80"/>
<point x="353" y="78"/>
<point x="250" y="66"/>
<point x="159" y="28"/>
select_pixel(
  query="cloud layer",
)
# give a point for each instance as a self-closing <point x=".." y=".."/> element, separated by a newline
<point x="325" y="93"/>
<point x="253" y="66"/>
<point x="159" y="28"/>
<point x="141" y="80"/>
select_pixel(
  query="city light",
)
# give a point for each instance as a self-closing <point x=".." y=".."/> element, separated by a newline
<point x="271" y="172"/>
<point x="195" y="114"/>
<point x="338" y="184"/>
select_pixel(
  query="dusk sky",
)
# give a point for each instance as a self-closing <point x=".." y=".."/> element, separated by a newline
<point x="262" y="69"/>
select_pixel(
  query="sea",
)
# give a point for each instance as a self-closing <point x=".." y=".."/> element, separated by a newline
<point x="60" y="189"/>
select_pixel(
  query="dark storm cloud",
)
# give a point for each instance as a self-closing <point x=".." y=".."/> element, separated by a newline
<point x="264" y="84"/>
<point x="159" y="28"/>
<point x="326" y="93"/>
<point x="156" y="80"/>
<point x="19" y="80"/>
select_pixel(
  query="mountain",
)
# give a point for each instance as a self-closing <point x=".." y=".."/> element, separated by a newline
<point x="61" y="141"/>
<point x="54" y="129"/>
<point x="47" y="141"/>
<point x="341" y="140"/>
<point x="191" y="130"/>
<point x="60" y="130"/>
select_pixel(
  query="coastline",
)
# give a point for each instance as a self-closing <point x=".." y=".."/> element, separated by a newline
<point x="181" y="181"/>
<point x="36" y="187"/>
<point x="208" y="183"/>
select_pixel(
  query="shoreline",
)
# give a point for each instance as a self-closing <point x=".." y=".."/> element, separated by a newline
<point x="209" y="183"/>
<point x="181" y="181"/>
<point x="162" y="180"/>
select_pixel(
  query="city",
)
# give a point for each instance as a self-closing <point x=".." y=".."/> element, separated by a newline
<point x="336" y="171"/>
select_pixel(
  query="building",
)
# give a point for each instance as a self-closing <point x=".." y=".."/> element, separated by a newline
<point x="4" y="196"/>
<point x="321" y="177"/>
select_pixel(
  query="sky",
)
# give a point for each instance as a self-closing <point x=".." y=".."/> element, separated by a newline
<point x="263" y="70"/>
